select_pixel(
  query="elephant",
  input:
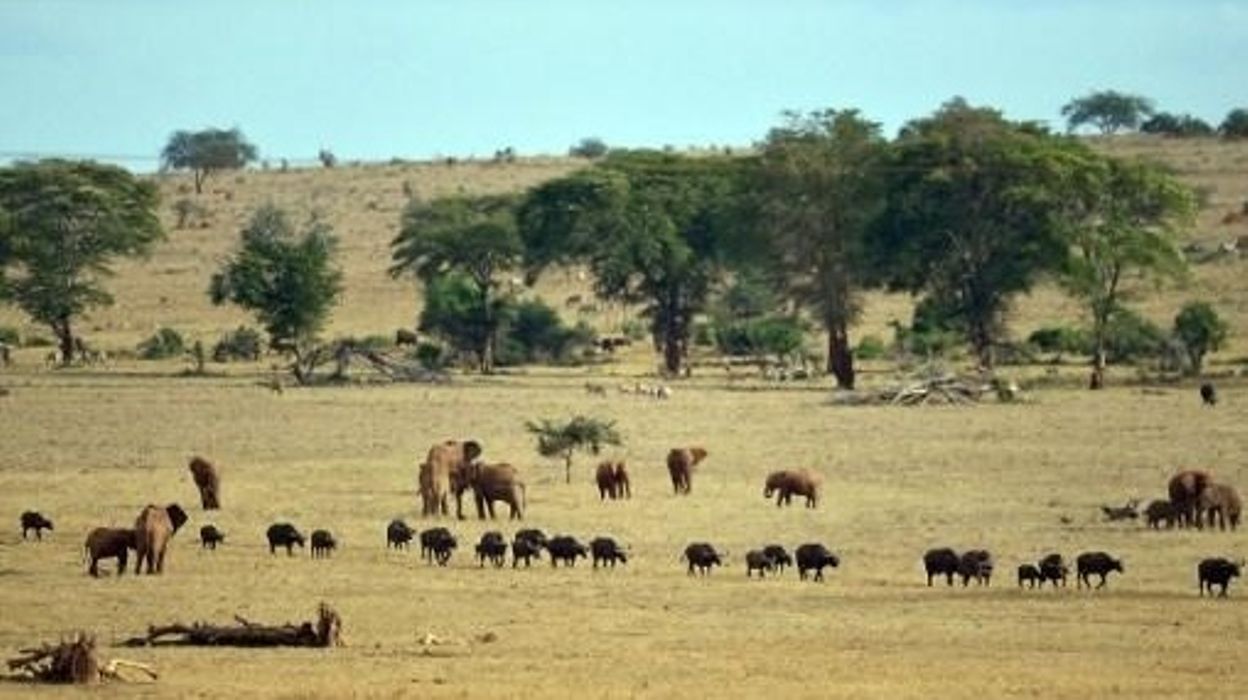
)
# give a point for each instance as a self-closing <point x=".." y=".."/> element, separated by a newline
<point x="785" y="483"/>
<point x="613" y="481"/>
<point x="1185" y="490"/>
<point x="152" y="531"/>
<point x="208" y="481"/>
<point x="680" y="464"/>
<point x="1220" y="501"/>
<point x="496" y="482"/>
<point x="108" y="543"/>
<point x="444" y="472"/>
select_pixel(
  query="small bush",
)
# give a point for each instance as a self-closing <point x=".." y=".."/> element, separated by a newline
<point x="703" y="334"/>
<point x="870" y="347"/>
<point x="243" y="343"/>
<point x="1129" y="337"/>
<point x="164" y="344"/>
<point x="634" y="329"/>
<point x="1199" y="328"/>
<point x="10" y="336"/>
<point x="769" y="335"/>
<point x="1061" y="340"/>
<point x="39" y="341"/>
<point x="431" y="356"/>
<point x="536" y="334"/>
<point x="590" y="148"/>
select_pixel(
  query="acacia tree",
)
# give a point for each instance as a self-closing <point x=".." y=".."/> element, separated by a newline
<point x="62" y="225"/>
<point x="820" y="190"/>
<point x="472" y="237"/>
<point x="563" y="440"/>
<point x="969" y="220"/>
<point x="204" y="151"/>
<point x="1122" y="223"/>
<point x="1108" y="111"/>
<point x="1201" y="331"/>
<point x="288" y="279"/>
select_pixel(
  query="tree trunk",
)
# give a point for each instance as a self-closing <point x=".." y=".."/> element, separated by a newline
<point x="199" y="180"/>
<point x="64" y="332"/>
<point x="1097" y="380"/>
<point x="567" y="467"/>
<point x="840" y="357"/>
<point x="981" y="343"/>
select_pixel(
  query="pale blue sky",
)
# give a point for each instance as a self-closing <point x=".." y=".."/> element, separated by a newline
<point x="373" y="79"/>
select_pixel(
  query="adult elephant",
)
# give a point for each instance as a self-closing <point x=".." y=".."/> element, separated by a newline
<point x="496" y="482"/>
<point x="444" y="472"/>
<point x="1186" y="488"/>
<point x="787" y="482"/>
<point x="680" y="464"/>
<point x="152" y="531"/>
<point x="208" y="481"/>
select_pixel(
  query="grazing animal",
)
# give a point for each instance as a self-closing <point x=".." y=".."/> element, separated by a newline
<point x="1159" y="512"/>
<point x="208" y="481"/>
<point x="612" y="478"/>
<point x="210" y="537"/>
<point x="153" y="529"/>
<point x="1216" y="572"/>
<point x="495" y="482"/>
<point x="1208" y="395"/>
<point x="1220" y="501"/>
<point x="493" y="547"/>
<point x="1098" y="563"/>
<point x="399" y="534"/>
<point x="283" y="535"/>
<point x="443" y="473"/>
<point x="680" y="464"/>
<point x="1053" y="569"/>
<point x="526" y="549"/>
<point x="1029" y="574"/>
<point x="975" y="564"/>
<point x="323" y="544"/>
<point x="403" y="336"/>
<point x="941" y="561"/>
<point x="702" y="556"/>
<point x="566" y="549"/>
<point x="607" y="551"/>
<point x="779" y="557"/>
<point x="1185" y="489"/>
<point x="437" y="544"/>
<point x="108" y="543"/>
<point x="785" y="483"/>
<point x="758" y="560"/>
<point x="814" y="556"/>
<point x="595" y="389"/>
<point x="34" y="520"/>
<point x="1127" y="512"/>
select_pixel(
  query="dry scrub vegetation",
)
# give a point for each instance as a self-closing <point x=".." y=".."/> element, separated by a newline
<point x="90" y="447"/>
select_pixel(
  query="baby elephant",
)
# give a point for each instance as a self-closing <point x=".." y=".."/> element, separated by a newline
<point x="607" y="551"/>
<point x="1098" y="563"/>
<point x="565" y="548"/>
<point x="34" y="520"/>
<point x="398" y="534"/>
<point x="492" y="547"/>
<point x="283" y="535"/>
<point x="210" y="537"/>
<point x="323" y="544"/>
<point x="108" y="543"/>
<point x="758" y="560"/>
<point x="702" y="556"/>
<point x="1216" y="572"/>
<point x="813" y="557"/>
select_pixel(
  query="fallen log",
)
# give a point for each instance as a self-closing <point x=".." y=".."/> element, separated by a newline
<point x="72" y="661"/>
<point x="325" y="632"/>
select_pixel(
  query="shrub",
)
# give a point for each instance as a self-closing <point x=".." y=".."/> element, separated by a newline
<point x="164" y="344"/>
<point x="590" y="148"/>
<point x="634" y="329"/>
<point x="536" y="334"/>
<point x="1061" y="340"/>
<point x="39" y="341"/>
<point x="768" y="335"/>
<point x="870" y="347"/>
<point x="431" y="356"/>
<point x="703" y="334"/>
<point x="10" y="336"/>
<point x="1130" y="337"/>
<point x="243" y="343"/>
<point x="1199" y="328"/>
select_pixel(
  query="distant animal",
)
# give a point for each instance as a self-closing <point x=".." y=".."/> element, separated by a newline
<point x="210" y="537"/>
<point x="609" y="343"/>
<point x="941" y="561"/>
<point x="1029" y="574"/>
<point x="526" y="549"/>
<point x="1208" y="394"/>
<point x="680" y="464"/>
<point x="1216" y="572"/>
<point x="437" y="544"/>
<point x="1160" y="512"/>
<point x="444" y="473"/>
<point x="573" y="300"/>
<point x="975" y="564"/>
<point x="323" y="544"/>
<point x="565" y="548"/>
<point x="153" y="529"/>
<point x="108" y="543"/>
<point x="758" y="560"/>
<point x="398" y="535"/>
<point x="283" y="535"/>
<point x="1220" y="501"/>
<point x="492" y="547"/>
<point x="34" y="520"/>
<point x="208" y="481"/>
<point x="595" y="389"/>
<point x="703" y="557"/>
<point x="1185" y="489"/>
<point x="612" y="478"/>
<point x="495" y="482"/>
<point x="607" y="551"/>
<point x="1126" y="512"/>
<point x="1053" y="569"/>
<point x="779" y="557"/>
<point x="1098" y="563"/>
<point x="787" y="482"/>
<point x="663" y="392"/>
<point x="814" y="557"/>
<point x="403" y="336"/>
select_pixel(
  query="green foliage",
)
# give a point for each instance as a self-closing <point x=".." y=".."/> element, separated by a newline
<point x="10" y="336"/>
<point x="64" y="224"/>
<point x="591" y="148"/>
<point x="564" y="439"/>
<point x="165" y="343"/>
<point x="203" y="152"/>
<point x="782" y="336"/>
<point x="38" y="341"/>
<point x="1108" y="111"/>
<point x="431" y="356"/>
<point x="1130" y="337"/>
<point x="633" y="329"/>
<point x="1177" y="125"/>
<point x="1061" y="340"/>
<point x="1235" y="125"/>
<point x="243" y="343"/>
<point x="535" y="333"/>
<point x="934" y="330"/>
<point x="870" y="347"/>
<point x="1201" y="331"/>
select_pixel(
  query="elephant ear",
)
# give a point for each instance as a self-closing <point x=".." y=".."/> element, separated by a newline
<point x="177" y="516"/>
<point x="472" y="450"/>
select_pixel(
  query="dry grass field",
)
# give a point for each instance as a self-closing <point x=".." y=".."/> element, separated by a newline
<point x="91" y="446"/>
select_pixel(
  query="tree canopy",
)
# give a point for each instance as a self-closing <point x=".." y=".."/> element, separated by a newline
<point x="1201" y="330"/>
<point x="1108" y="111"/>
<point x="564" y="439"/>
<point x="62" y="225"/>
<point x="1235" y="125"/>
<point x="1178" y="125"/>
<point x="205" y="151"/>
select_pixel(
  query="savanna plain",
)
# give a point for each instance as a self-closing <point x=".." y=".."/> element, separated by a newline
<point x="91" y="446"/>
